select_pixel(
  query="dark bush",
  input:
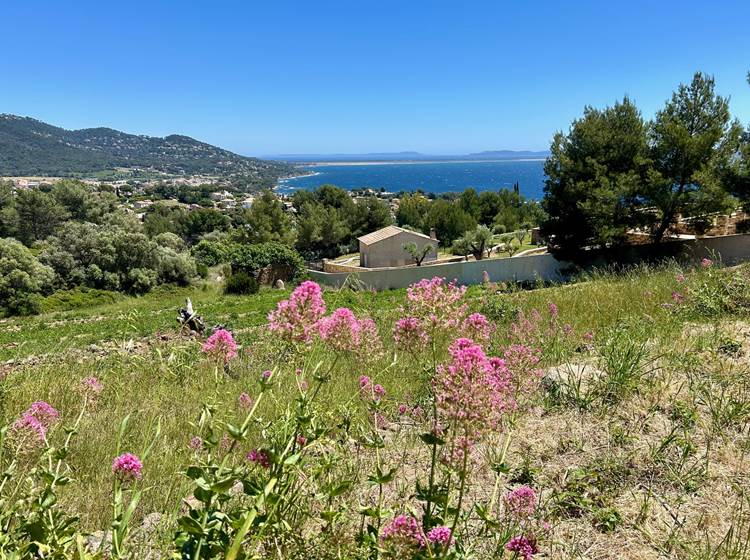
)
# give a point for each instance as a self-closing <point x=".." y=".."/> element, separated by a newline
<point x="240" y="283"/>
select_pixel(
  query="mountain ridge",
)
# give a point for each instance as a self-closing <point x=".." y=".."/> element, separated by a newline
<point x="29" y="146"/>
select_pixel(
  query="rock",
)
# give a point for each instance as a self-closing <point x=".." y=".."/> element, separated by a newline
<point x="99" y="541"/>
<point x="151" y="522"/>
<point x="279" y="284"/>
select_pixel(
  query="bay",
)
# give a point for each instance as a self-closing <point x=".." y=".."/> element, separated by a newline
<point x="434" y="177"/>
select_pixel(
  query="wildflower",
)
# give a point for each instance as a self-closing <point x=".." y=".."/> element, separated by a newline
<point x="196" y="443"/>
<point x="677" y="297"/>
<point x="403" y="409"/>
<point x="378" y="392"/>
<point x="436" y="302"/>
<point x="440" y="537"/>
<point x="266" y="375"/>
<point x="409" y="333"/>
<point x="472" y="392"/>
<point x="341" y="330"/>
<point x="588" y="336"/>
<point x="296" y="319"/>
<point x="553" y="310"/>
<point x="303" y="386"/>
<point x="31" y="427"/>
<point x="567" y="329"/>
<point x="260" y="458"/>
<point x="680" y="278"/>
<point x="477" y="327"/>
<point x="127" y="467"/>
<point x="44" y="412"/>
<point x="301" y="440"/>
<point x="245" y="401"/>
<point x="402" y="537"/>
<point x="524" y="546"/>
<point x="521" y="502"/>
<point x="364" y="381"/>
<point x="28" y="431"/>
<point x="485" y="277"/>
<point x="706" y="263"/>
<point x="221" y="345"/>
<point x="91" y="387"/>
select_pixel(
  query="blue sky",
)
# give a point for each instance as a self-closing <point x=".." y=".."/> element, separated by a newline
<point x="363" y="76"/>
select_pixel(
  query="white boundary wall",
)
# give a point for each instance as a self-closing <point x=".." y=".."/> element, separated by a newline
<point x="731" y="249"/>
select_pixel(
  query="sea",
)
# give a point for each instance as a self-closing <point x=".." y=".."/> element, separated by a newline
<point x="434" y="177"/>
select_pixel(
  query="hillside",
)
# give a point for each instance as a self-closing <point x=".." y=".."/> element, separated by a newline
<point x="31" y="147"/>
<point x="633" y="444"/>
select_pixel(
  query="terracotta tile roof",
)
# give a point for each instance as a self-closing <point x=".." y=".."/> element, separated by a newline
<point x="386" y="232"/>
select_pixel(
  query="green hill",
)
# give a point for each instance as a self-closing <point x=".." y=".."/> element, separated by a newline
<point x="31" y="147"/>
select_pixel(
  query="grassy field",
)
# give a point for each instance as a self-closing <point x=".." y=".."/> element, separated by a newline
<point x="636" y="442"/>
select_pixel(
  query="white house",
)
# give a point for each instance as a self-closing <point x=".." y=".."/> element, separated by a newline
<point x="385" y="247"/>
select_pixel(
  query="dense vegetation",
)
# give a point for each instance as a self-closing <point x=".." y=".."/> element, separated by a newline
<point x="321" y="434"/>
<point x="31" y="147"/>
<point x="614" y="172"/>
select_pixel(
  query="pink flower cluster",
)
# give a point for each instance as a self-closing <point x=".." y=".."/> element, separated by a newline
<point x="260" y="458"/>
<point x="402" y="537"/>
<point x="127" y="467"/>
<point x="706" y="263"/>
<point x="296" y="318"/>
<point x="91" y="387"/>
<point x="477" y="327"/>
<point x="440" y="537"/>
<point x="369" y="391"/>
<point x="521" y="502"/>
<point x="31" y="427"/>
<point x="345" y="333"/>
<point x="472" y="392"/>
<point x="524" y="547"/>
<point x="221" y="345"/>
<point x="409" y="333"/>
<point x="522" y="361"/>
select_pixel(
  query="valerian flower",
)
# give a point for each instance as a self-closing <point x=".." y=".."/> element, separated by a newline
<point x="127" y="467"/>
<point x="296" y="319"/>
<point x="221" y="345"/>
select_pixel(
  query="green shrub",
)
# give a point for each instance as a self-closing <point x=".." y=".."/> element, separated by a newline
<point x="241" y="283"/>
<point x="78" y="298"/>
<point x="22" y="279"/>
<point x="211" y="252"/>
<point x="252" y="258"/>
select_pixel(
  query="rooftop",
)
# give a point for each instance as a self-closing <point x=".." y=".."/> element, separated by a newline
<point x="386" y="232"/>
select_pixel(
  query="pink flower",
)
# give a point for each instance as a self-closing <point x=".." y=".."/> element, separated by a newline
<point x="245" y="401"/>
<point x="91" y="387"/>
<point x="472" y="392"/>
<point x="266" y="375"/>
<point x="409" y="333"/>
<point x="440" y="537"/>
<point x="436" y="302"/>
<point x="677" y="297"/>
<point x="29" y="431"/>
<point x="364" y="381"/>
<point x="260" y="458"/>
<point x="588" y="336"/>
<point x="567" y="329"/>
<point x="478" y="328"/>
<point x="341" y="330"/>
<point x="196" y="443"/>
<point x="521" y="502"/>
<point x="706" y="263"/>
<point x="680" y="278"/>
<point x="44" y="412"/>
<point x="378" y="392"/>
<point x="524" y="546"/>
<point x="296" y="319"/>
<point x="403" y="409"/>
<point x="553" y="310"/>
<point x="301" y="440"/>
<point x="402" y="537"/>
<point x="221" y="345"/>
<point x="31" y="427"/>
<point x="127" y="467"/>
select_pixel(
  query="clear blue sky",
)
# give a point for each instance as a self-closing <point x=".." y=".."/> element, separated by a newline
<point x="360" y="76"/>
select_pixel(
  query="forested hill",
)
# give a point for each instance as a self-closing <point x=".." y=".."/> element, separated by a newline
<point x="31" y="147"/>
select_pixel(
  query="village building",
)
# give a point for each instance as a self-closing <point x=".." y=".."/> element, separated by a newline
<point x="385" y="247"/>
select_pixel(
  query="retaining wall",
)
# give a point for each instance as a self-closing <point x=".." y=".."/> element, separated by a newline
<point x="731" y="249"/>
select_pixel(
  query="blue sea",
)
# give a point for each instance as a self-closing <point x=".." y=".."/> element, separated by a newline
<point x="436" y="177"/>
